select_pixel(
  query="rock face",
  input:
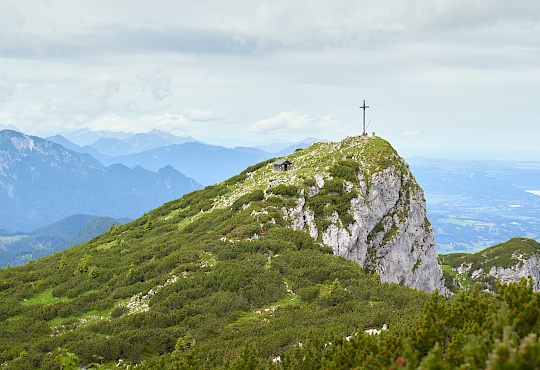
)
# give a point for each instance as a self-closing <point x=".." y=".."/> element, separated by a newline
<point x="391" y="234"/>
<point x="360" y="198"/>
<point x="529" y="268"/>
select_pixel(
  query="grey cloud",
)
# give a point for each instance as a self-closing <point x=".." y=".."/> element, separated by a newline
<point x="7" y="87"/>
<point x="118" y="39"/>
<point x="77" y="100"/>
<point x="255" y="28"/>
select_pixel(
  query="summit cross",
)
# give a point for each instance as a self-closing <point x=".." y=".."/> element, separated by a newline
<point x="364" y="106"/>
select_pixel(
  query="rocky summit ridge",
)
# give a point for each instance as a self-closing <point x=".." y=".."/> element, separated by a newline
<point x="356" y="196"/>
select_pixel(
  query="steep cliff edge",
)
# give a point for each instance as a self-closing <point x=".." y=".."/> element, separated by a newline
<point x="506" y="262"/>
<point x="358" y="197"/>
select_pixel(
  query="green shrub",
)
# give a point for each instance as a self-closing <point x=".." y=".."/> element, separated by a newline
<point x="284" y="190"/>
<point x="254" y="196"/>
<point x="94" y="272"/>
<point x="347" y="170"/>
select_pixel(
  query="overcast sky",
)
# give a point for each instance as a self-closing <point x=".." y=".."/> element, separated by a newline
<point x="435" y="73"/>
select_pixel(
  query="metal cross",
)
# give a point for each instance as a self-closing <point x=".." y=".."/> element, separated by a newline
<point x="364" y="106"/>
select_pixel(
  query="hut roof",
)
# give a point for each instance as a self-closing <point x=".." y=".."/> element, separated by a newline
<point x="282" y="161"/>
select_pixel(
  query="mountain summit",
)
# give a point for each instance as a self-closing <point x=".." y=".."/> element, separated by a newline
<point x="358" y="197"/>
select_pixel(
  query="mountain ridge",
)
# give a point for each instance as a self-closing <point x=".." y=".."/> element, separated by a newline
<point x="56" y="237"/>
<point x="41" y="181"/>
<point x="196" y="276"/>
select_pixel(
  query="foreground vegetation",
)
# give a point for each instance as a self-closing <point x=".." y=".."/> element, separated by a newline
<point x="472" y="330"/>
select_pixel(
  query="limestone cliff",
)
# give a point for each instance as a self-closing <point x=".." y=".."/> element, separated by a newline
<point x="359" y="198"/>
<point x="506" y="262"/>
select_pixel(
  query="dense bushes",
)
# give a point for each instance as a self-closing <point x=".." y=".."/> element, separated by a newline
<point x="332" y="198"/>
<point x="284" y="190"/>
<point x="347" y="170"/>
<point x="254" y="196"/>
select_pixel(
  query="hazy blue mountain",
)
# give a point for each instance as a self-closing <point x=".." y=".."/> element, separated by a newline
<point x="476" y="204"/>
<point x="208" y="164"/>
<point x="254" y="151"/>
<point x="138" y="143"/>
<point x="474" y="154"/>
<point x="9" y="127"/>
<point x="87" y="136"/>
<point x="59" y="139"/>
<point x="283" y="147"/>
<point x="42" y="182"/>
<point x="291" y="149"/>
<point x="56" y="237"/>
<point x="4" y="232"/>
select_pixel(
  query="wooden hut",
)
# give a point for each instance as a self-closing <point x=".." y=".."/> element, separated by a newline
<point x="282" y="165"/>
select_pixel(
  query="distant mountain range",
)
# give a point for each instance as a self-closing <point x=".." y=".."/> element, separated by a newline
<point x="117" y="175"/>
<point x="208" y="164"/>
<point x="58" y="236"/>
<point x="42" y="182"/>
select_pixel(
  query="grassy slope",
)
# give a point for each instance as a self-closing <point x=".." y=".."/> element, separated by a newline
<point x="187" y="277"/>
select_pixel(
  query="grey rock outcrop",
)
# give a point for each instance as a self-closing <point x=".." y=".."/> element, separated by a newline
<point x="529" y="268"/>
<point x="390" y="236"/>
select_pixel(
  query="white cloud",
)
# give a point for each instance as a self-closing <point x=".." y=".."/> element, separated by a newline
<point x="76" y="100"/>
<point x="7" y="87"/>
<point x="434" y="62"/>
<point x="203" y="115"/>
<point x="292" y="122"/>
<point x="158" y="82"/>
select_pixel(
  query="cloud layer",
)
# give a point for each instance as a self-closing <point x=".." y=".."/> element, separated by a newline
<point x="237" y="70"/>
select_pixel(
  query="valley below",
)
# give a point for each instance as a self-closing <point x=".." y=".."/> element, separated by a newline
<point x="473" y="205"/>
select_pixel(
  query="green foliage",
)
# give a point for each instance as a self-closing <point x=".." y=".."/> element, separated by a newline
<point x="390" y="235"/>
<point x="347" y="170"/>
<point x="93" y="272"/>
<point x="235" y="179"/>
<point x="310" y="182"/>
<point x="84" y="263"/>
<point x="63" y="262"/>
<point x="506" y="254"/>
<point x="284" y="190"/>
<point x="197" y="290"/>
<point x="469" y="331"/>
<point x="184" y="343"/>
<point x="148" y="225"/>
<point x="67" y="360"/>
<point x="254" y="196"/>
<point x="298" y="239"/>
<point x="332" y="198"/>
